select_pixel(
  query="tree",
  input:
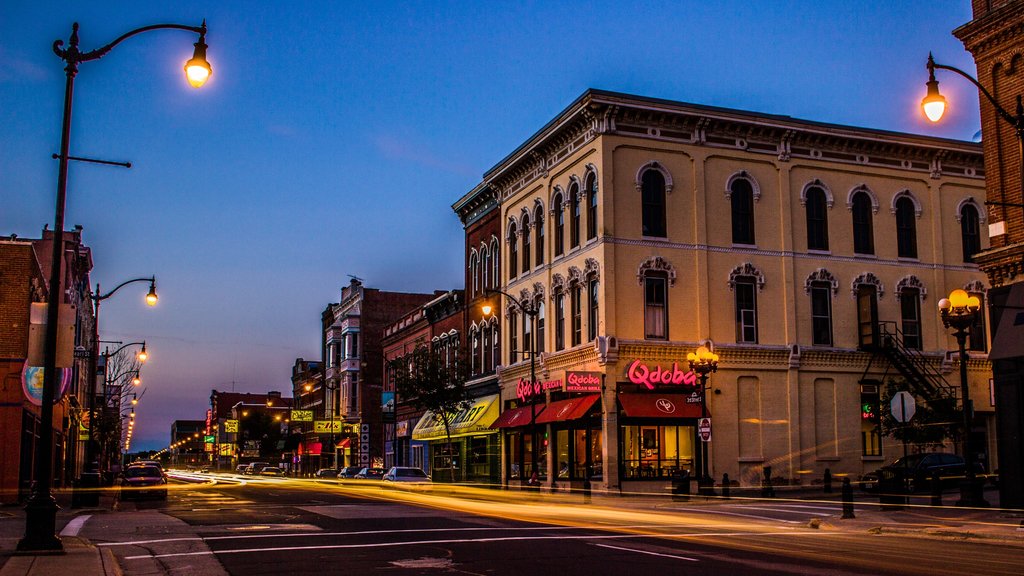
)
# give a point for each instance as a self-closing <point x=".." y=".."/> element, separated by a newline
<point x="935" y="420"/>
<point x="433" y="380"/>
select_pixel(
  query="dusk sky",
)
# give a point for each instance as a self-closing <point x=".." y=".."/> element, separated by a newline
<point x="333" y="138"/>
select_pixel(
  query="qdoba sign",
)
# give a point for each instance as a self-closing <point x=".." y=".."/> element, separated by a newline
<point x="643" y="375"/>
<point x="582" y="382"/>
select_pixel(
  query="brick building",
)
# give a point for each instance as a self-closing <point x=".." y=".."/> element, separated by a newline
<point x="314" y="449"/>
<point x="995" y="37"/>
<point x="227" y="418"/>
<point x="24" y="274"/>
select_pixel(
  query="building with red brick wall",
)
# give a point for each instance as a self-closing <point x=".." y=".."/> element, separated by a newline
<point x="353" y="330"/>
<point x="314" y="449"/>
<point x="995" y="37"/>
<point x="228" y="420"/>
<point x="24" y="270"/>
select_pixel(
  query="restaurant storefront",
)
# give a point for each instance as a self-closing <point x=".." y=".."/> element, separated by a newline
<point x="472" y="454"/>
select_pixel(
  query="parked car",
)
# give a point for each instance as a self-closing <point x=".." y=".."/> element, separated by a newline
<point x="348" y="472"/>
<point x="370" y="474"/>
<point x="271" y="471"/>
<point x="916" y="471"/>
<point x="326" y="473"/>
<point x="256" y="467"/>
<point x="141" y="481"/>
<point x="407" y="477"/>
<point x="241" y="468"/>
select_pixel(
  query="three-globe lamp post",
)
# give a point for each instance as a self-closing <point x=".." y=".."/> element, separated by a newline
<point x="960" y="311"/>
<point x="41" y="509"/>
<point x="703" y="362"/>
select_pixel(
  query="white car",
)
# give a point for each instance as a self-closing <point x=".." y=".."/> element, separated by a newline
<point x="407" y="476"/>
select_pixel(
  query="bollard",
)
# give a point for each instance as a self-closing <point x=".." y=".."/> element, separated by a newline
<point x="725" y="485"/>
<point x="847" y="499"/>
<point x="586" y="490"/>
<point x="936" y="489"/>
<point x="827" y="481"/>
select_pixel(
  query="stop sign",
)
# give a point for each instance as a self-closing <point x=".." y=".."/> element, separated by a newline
<point x="903" y="406"/>
<point x="704" y="429"/>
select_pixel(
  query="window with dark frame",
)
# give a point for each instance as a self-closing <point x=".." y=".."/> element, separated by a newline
<point x="906" y="228"/>
<point x="559" y="214"/>
<point x="652" y="191"/>
<point x="538" y="225"/>
<point x="746" y="310"/>
<point x="592" y="309"/>
<point x="486" y="353"/>
<point x="910" y="317"/>
<point x="513" y="252"/>
<point x="513" y="338"/>
<point x="821" y="314"/>
<point x="863" y="229"/>
<point x="742" y="198"/>
<point x="575" y="301"/>
<point x="540" y="327"/>
<point x="970" y="232"/>
<point x="559" y="320"/>
<point x="977" y="340"/>
<point x="655" y="308"/>
<point x="591" y="187"/>
<point x="525" y="234"/>
<point x="817" y="219"/>
<point x="574" y="222"/>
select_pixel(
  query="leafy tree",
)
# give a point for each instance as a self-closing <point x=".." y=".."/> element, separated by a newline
<point x="934" y="421"/>
<point x="432" y="380"/>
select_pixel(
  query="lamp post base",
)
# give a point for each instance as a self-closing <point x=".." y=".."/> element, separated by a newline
<point x="972" y="494"/>
<point x="41" y="526"/>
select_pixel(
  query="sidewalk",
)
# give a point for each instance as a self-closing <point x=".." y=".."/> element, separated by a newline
<point x="80" y="557"/>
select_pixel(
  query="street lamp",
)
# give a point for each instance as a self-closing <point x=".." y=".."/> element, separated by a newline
<point x="703" y="362"/>
<point x="41" y="509"/>
<point x="531" y="311"/>
<point x="959" y="311"/>
<point x="934" y="105"/>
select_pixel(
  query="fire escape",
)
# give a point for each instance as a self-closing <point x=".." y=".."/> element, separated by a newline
<point x="921" y="375"/>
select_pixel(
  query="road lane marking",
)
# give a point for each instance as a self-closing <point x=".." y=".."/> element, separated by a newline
<point x="785" y="510"/>
<point x="75" y="525"/>
<point x="710" y="511"/>
<point x="647" y="552"/>
<point x="463" y="541"/>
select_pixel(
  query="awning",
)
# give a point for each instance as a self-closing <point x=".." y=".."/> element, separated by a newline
<point x="570" y="409"/>
<point x="344" y="443"/>
<point x="311" y="448"/>
<point x="659" y="406"/>
<point x="475" y="419"/>
<point x="516" y="417"/>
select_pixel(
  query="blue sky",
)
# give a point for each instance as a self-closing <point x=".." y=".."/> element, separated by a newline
<point x="334" y="136"/>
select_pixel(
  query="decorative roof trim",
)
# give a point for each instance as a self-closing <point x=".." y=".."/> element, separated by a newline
<point x="656" y="264"/>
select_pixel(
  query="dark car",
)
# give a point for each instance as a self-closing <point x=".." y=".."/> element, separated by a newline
<point x="916" y="471"/>
<point x="141" y="481"/>
<point x="326" y="473"/>
<point x="370" y="474"/>
<point x="349" y="472"/>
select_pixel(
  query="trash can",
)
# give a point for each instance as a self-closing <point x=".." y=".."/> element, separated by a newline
<point x="891" y="490"/>
<point x="681" y="486"/>
<point x="86" y="492"/>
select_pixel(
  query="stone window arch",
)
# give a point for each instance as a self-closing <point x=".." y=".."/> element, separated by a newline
<point x="816" y="183"/>
<point x="656" y="264"/>
<point x="911" y="282"/>
<point x="869" y="279"/>
<point x="746" y="270"/>
<point x="906" y="193"/>
<point x="821" y="275"/>
<point x="865" y="189"/>
<point x="755" y="187"/>
<point x="657" y="166"/>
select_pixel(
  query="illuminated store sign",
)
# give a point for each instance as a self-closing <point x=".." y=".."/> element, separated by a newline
<point x="582" y="382"/>
<point x="641" y="374"/>
<point x="525" y="389"/>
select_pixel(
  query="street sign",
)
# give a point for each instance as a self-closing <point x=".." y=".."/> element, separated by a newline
<point x="327" y="427"/>
<point x="903" y="406"/>
<point x="704" y="429"/>
<point x="301" y="416"/>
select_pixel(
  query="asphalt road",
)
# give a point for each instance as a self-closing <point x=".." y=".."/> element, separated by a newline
<point x="272" y="526"/>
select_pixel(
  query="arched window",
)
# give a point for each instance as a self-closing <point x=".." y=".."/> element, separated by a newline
<point x="741" y="194"/>
<point x="513" y="251"/>
<point x="474" y="269"/>
<point x="474" y="337"/>
<point x="863" y="230"/>
<point x="538" y="226"/>
<point x="574" y="222"/>
<point x="558" y="212"/>
<point x="495" y="264"/>
<point x="817" y="219"/>
<point x="591" y="188"/>
<point x="970" y="231"/>
<point x="525" y="234"/>
<point x="906" y="228"/>
<point x="540" y="326"/>
<point x="652" y="191"/>
<point x="495" y="346"/>
<point x="485" y="268"/>
<point x="485" y="352"/>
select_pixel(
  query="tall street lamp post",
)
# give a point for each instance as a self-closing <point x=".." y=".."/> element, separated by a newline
<point x="90" y="476"/>
<point x="41" y="509"/>
<point x="959" y="311"/>
<point x="703" y="362"/>
<point x="530" y="311"/>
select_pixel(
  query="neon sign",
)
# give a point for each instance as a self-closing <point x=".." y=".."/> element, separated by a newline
<point x="640" y="374"/>
<point x="582" y="382"/>
<point x="526" y="389"/>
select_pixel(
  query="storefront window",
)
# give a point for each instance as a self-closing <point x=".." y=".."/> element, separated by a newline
<point x="656" y="451"/>
<point x="562" y="457"/>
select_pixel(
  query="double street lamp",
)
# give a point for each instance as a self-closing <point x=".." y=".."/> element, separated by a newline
<point x="41" y="509"/>
<point x="959" y="312"/>
<point x="703" y="362"/>
<point x="531" y="311"/>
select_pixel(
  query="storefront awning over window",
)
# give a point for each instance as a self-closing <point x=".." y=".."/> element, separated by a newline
<point x="517" y="417"/>
<point x="659" y="406"/>
<point x="571" y="409"/>
<point x="344" y="443"/>
<point x="475" y="419"/>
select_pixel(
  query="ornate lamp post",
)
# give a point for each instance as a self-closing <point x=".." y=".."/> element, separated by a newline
<point x="41" y="510"/>
<point x="703" y="362"/>
<point x="959" y="311"/>
<point x="530" y="311"/>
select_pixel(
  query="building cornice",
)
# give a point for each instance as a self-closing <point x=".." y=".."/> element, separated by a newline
<point x="1000" y="25"/>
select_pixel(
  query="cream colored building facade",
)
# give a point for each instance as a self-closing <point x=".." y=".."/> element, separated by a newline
<point x="694" y="228"/>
